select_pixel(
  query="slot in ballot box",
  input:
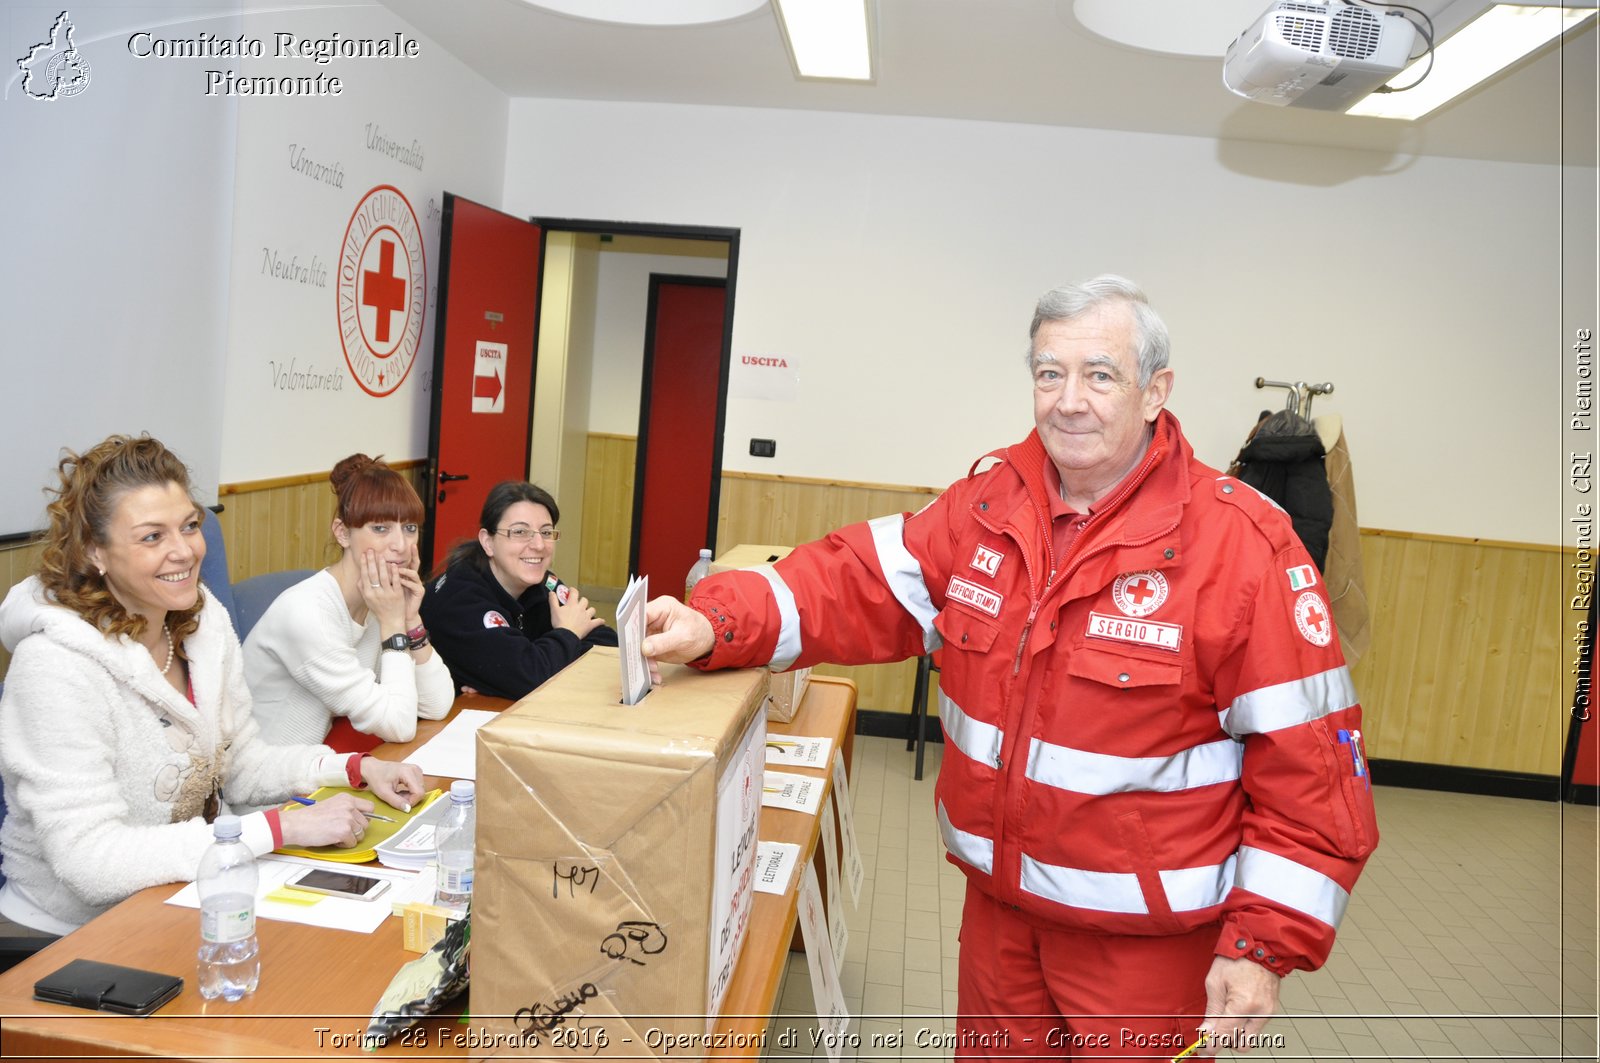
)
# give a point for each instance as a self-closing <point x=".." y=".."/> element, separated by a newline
<point x="615" y="857"/>
<point x="788" y="688"/>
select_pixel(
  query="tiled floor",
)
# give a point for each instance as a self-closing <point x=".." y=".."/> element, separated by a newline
<point x="1471" y="936"/>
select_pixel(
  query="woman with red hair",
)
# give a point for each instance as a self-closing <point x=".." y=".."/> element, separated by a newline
<point x="343" y="657"/>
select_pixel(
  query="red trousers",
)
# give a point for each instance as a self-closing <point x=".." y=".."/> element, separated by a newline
<point x="1056" y="994"/>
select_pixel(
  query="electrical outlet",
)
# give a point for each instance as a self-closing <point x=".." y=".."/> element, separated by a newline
<point x="763" y="448"/>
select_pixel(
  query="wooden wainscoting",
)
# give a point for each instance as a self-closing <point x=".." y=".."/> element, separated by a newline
<point x="607" y="512"/>
<point x="1466" y="665"/>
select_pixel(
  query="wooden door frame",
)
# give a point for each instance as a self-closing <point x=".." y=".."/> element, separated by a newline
<point x="672" y="232"/>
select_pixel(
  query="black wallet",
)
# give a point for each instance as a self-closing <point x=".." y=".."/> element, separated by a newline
<point x="107" y="987"/>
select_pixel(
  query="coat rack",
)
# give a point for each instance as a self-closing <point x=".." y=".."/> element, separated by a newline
<point x="1300" y="394"/>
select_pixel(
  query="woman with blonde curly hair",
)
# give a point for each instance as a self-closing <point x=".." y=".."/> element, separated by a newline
<point x="343" y="657"/>
<point x="126" y="726"/>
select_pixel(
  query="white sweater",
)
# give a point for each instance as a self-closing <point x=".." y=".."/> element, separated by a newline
<point x="307" y="661"/>
<point x="104" y="762"/>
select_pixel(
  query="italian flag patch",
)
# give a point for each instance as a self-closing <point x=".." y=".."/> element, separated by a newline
<point x="1301" y="577"/>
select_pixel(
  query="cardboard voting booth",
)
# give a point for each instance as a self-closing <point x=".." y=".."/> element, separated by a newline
<point x="788" y="688"/>
<point x="615" y="857"/>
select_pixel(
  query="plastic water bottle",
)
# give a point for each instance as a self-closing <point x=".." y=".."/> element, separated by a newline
<point x="701" y="569"/>
<point x="230" y="959"/>
<point x="456" y="837"/>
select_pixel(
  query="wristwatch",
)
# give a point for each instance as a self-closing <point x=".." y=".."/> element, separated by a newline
<point x="397" y="642"/>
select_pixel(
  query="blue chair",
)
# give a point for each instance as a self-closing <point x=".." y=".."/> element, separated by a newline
<point x="248" y="599"/>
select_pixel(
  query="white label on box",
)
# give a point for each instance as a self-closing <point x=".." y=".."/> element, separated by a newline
<point x="832" y="1014"/>
<point x="733" y="875"/>
<point x="802" y="793"/>
<point x="798" y="751"/>
<point x="775" y="863"/>
<point x="838" y="933"/>
<point x="854" y="872"/>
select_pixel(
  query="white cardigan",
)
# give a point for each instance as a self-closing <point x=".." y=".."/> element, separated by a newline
<point x="307" y="661"/>
<point x="99" y="755"/>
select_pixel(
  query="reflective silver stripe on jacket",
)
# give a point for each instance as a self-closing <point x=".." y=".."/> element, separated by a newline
<point x="1082" y="772"/>
<point x="1292" y="885"/>
<point x="1289" y="704"/>
<point x="788" y="648"/>
<point x="1102" y="891"/>
<point x="1189" y="889"/>
<point x="978" y="740"/>
<point x="968" y="848"/>
<point x="904" y="575"/>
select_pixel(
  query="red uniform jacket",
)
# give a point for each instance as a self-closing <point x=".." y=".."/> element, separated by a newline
<point x="1154" y="732"/>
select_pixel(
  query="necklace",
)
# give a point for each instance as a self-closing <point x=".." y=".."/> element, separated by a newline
<point x="171" y="650"/>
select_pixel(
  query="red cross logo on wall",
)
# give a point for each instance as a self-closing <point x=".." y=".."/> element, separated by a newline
<point x="384" y="291"/>
<point x="1311" y="617"/>
<point x="1139" y="593"/>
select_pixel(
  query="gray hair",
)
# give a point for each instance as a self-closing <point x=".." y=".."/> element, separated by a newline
<point x="1151" y="342"/>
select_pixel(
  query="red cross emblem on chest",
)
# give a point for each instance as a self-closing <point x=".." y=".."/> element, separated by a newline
<point x="1139" y="593"/>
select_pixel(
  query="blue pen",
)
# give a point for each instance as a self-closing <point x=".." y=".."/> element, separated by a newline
<point x="370" y="815"/>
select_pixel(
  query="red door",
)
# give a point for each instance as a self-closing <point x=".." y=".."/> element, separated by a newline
<point x="479" y="430"/>
<point x="679" y="465"/>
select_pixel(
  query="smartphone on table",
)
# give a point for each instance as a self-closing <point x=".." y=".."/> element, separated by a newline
<point x="339" y="883"/>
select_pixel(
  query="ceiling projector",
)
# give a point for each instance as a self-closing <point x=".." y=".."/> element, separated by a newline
<point x="1324" y="56"/>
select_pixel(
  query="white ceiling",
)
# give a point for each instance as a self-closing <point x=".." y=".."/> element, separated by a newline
<point x="1008" y="61"/>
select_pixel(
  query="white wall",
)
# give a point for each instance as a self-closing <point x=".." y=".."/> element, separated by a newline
<point x="621" y="300"/>
<point x="899" y="259"/>
<point x="113" y="287"/>
<point x="279" y="425"/>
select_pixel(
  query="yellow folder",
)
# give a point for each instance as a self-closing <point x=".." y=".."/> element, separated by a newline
<point x="377" y="830"/>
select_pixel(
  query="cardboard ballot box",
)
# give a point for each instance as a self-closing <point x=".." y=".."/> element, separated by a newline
<point x="788" y="688"/>
<point x="615" y="857"/>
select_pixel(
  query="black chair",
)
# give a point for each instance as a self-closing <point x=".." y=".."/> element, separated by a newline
<point x="918" y="735"/>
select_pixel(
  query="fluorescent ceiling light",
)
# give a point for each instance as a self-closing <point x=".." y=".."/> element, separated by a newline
<point x="1489" y="43"/>
<point x="652" y="12"/>
<point x="828" y="38"/>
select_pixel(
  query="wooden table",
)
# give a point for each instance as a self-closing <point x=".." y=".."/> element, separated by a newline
<point x="318" y="986"/>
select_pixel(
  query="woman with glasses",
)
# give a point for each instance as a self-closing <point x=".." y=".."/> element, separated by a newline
<point x="342" y="657"/>
<point x="501" y="620"/>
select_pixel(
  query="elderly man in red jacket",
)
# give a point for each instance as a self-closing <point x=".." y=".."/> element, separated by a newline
<point x="1153" y="775"/>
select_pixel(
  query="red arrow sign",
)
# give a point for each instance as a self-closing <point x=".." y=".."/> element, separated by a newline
<point x="486" y="387"/>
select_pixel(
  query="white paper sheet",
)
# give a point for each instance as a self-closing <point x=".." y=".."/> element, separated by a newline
<point x="838" y="933"/>
<point x="802" y="793"/>
<point x="798" y="751"/>
<point x="630" y="640"/>
<point x="775" y="864"/>
<point x="453" y="752"/>
<point x="852" y="868"/>
<point x="335" y="913"/>
<point x="832" y="1013"/>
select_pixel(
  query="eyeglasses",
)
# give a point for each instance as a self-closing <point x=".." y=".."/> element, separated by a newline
<point x="521" y="533"/>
